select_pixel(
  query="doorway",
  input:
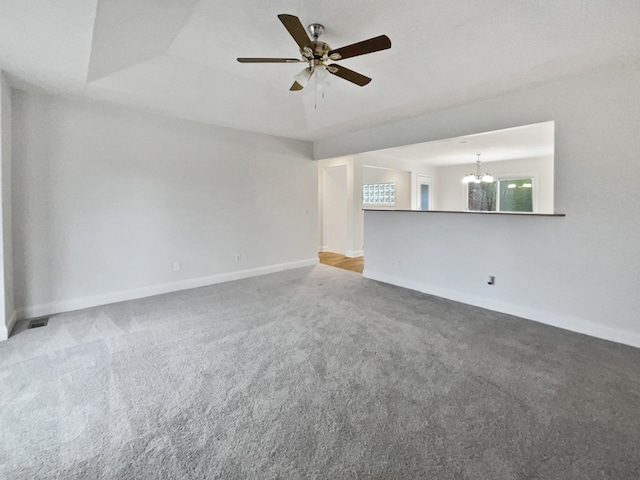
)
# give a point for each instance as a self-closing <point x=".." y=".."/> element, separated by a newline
<point x="424" y="192"/>
<point x="354" y="264"/>
<point x="334" y="209"/>
<point x="334" y="216"/>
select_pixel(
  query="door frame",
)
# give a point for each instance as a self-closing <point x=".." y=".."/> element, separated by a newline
<point x="423" y="180"/>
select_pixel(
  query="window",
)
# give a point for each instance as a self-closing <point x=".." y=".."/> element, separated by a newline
<point x="379" y="194"/>
<point x="503" y="195"/>
<point x="482" y="197"/>
<point x="516" y="195"/>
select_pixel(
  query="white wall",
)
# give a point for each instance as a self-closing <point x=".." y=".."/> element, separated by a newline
<point x="335" y="202"/>
<point x="6" y="253"/>
<point x="382" y="161"/>
<point x="402" y="179"/>
<point x="453" y="193"/>
<point x="580" y="272"/>
<point x="106" y="199"/>
<point x="355" y="165"/>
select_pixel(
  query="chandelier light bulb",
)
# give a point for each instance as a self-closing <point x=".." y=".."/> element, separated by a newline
<point x="478" y="177"/>
<point x="487" y="178"/>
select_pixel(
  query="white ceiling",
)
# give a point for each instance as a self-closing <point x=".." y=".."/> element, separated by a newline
<point x="528" y="141"/>
<point x="177" y="57"/>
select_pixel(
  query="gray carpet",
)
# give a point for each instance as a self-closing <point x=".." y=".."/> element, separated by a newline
<point x="314" y="373"/>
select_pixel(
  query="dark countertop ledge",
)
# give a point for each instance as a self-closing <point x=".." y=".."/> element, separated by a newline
<point x="469" y="213"/>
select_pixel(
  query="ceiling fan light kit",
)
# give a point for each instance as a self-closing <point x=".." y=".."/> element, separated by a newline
<point x="303" y="77"/>
<point x="317" y="54"/>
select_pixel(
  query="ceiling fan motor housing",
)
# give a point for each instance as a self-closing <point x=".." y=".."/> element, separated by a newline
<point x="316" y="30"/>
<point x="316" y="50"/>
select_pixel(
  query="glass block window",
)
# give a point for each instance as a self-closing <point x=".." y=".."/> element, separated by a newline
<point x="379" y="194"/>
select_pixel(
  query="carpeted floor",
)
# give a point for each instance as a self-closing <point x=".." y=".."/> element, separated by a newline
<point x="314" y="373"/>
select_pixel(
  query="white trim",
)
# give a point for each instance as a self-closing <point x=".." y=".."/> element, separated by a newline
<point x="324" y="248"/>
<point x="354" y="253"/>
<point x="385" y="168"/>
<point x="5" y="330"/>
<point x="34" y="311"/>
<point x="565" y="322"/>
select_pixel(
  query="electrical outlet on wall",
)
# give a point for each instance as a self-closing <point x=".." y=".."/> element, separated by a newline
<point x="238" y="257"/>
<point x="177" y="266"/>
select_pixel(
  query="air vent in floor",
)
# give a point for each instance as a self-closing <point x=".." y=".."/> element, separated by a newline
<point x="38" y="322"/>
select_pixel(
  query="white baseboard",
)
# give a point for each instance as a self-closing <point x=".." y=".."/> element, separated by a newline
<point x="5" y="330"/>
<point x="35" y="311"/>
<point x="565" y="322"/>
<point x="323" y="248"/>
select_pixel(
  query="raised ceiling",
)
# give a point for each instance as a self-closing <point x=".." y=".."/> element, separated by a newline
<point x="177" y="57"/>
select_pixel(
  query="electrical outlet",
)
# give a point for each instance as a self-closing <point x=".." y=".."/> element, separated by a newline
<point x="238" y="257"/>
<point x="400" y="263"/>
<point x="177" y="266"/>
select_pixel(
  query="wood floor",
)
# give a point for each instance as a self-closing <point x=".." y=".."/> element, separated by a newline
<point x="337" y="260"/>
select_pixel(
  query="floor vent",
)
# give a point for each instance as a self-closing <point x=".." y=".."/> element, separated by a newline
<point x="38" y="322"/>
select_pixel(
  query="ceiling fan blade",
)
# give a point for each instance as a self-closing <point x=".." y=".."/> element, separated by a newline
<point x="268" y="60"/>
<point x="295" y="29"/>
<point x="295" y="87"/>
<point x="366" y="46"/>
<point x="350" y="75"/>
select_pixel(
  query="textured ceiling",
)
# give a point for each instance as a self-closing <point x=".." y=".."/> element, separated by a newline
<point x="177" y="57"/>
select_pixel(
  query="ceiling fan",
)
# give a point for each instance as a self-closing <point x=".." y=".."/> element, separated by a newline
<point x="318" y="54"/>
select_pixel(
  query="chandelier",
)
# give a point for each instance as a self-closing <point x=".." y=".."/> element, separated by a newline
<point x="477" y="177"/>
